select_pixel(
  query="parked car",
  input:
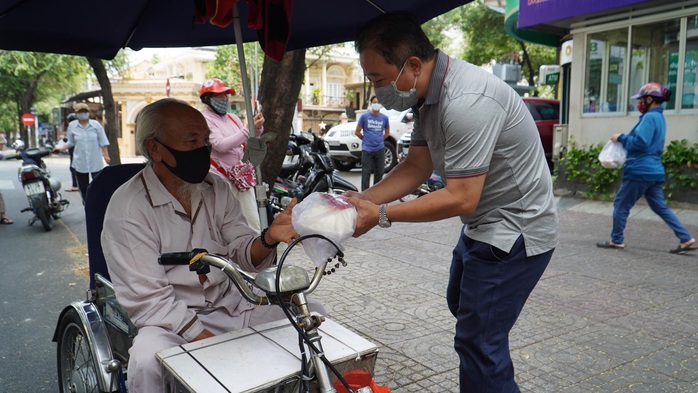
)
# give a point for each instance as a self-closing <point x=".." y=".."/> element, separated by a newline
<point x="545" y="112"/>
<point x="345" y="146"/>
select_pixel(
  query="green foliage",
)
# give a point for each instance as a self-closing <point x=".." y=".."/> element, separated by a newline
<point x="681" y="165"/>
<point x="436" y="29"/>
<point x="226" y="66"/>
<point x="41" y="79"/>
<point x="486" y="40"/>
<point x="582" y="165"/>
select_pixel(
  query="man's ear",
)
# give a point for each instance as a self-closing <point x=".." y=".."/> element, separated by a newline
<point x="415" y="64"/>
<point x="153" y="149"/>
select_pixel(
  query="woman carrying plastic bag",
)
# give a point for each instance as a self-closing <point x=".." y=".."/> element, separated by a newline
<point x="643" y="171"/>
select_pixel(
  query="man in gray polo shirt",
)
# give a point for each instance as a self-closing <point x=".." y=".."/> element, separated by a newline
<point x="477" y="133"/>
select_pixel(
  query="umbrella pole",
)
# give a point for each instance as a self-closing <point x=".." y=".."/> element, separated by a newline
<point x="261" y="187"/>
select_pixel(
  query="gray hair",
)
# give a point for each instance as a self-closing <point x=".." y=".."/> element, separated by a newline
<point x="150" y="123"/>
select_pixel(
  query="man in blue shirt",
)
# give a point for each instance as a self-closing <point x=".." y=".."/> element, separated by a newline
<point x="372" y="128"/>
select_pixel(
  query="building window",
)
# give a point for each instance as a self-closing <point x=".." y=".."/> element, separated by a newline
<point x="655" y="58"/>
<point x="689" y="98"/>
<point x="606" y="56"/>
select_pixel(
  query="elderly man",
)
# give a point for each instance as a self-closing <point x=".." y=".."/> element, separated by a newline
<point x="476" y="132"/>
<point x="174" y="204"/>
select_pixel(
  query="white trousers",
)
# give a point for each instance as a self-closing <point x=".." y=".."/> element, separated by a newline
<point x="248" y="203"/>
<point x="145" y="371"/>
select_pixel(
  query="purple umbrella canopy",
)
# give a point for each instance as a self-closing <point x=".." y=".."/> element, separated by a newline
<point x="100" y="28"/>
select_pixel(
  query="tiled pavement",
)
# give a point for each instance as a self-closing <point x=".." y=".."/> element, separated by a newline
<point x="599" y="320"/>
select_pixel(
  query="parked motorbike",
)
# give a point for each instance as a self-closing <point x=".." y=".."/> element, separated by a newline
<point x="309" y="169"/>
<point x="41" y="189"/>
<point x="433" y="183"/>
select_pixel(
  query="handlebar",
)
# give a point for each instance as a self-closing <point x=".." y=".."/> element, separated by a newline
<point x="289" y="279"/>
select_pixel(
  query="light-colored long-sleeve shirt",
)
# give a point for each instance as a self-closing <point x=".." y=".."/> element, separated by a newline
<point x="88" y="142"/>
<point x="228" y="134"/>
<point x="142" y="221"/>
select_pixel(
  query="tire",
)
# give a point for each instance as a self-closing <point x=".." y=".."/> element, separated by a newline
<point x="344" y="166"/>
<point x="77" y="368"/>
<point x="390" y="156"/>
<point x="44" y="217"/>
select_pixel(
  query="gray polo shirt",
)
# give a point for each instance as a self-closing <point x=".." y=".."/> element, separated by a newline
<point x="475" y="124"/>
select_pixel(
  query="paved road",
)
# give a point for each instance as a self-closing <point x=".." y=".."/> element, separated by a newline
<point x="599" y="321"/>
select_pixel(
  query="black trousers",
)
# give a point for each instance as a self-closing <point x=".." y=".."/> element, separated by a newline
<point x="84" y="181"/>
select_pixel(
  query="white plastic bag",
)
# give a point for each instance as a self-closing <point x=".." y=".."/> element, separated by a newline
<point x="612" y="155"/>
<point x="328" y="215"/>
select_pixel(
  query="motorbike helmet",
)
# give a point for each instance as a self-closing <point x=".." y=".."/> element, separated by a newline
<point x="214" y="86"/>
<point x="652" y="89"/>
<point x="71" y="117"/>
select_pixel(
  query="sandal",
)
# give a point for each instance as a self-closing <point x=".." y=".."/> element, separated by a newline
<point x="610" y="245"/>
<point x="6" y="221"/>
<point x="681" y="250"/>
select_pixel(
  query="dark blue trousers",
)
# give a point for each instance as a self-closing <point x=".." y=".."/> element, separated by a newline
<point x="486" y="291"/>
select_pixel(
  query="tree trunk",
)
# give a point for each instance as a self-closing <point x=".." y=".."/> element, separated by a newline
<point x="25" y="101"/>
<point x="529" y="66"/>
<point x="278" y="93"/>
<point x="110" y="120"/>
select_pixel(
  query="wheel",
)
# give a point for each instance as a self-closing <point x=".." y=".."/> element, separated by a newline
<point x="77" y="370"/>
<point x="44" y="217"/>
<point x="390" y="156"/>
<point x="343" y="166"/>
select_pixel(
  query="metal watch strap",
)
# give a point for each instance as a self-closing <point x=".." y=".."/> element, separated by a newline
<point x="383" y="220"/>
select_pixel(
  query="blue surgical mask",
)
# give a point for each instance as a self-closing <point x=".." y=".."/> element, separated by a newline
<point x="392" y="98"/>
<point x="83" y="116"/>
<point x="220" y="106"/>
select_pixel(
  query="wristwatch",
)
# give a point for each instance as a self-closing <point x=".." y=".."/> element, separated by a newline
<point x="383" y="221"/>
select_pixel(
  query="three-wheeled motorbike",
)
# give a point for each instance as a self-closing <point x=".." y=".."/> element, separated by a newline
<point x="309" y="352"/>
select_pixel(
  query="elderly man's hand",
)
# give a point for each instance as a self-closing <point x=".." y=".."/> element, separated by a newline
<point x="281" y="230"/>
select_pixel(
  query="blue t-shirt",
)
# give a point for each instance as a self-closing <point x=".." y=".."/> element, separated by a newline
<point x="373" y="128"/>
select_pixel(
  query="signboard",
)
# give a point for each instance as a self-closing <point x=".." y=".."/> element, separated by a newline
<point x="28" y="119"/>
<point x="535" y="12"/>
<point x="549" y="74"/>
<point x="566" y="52"/>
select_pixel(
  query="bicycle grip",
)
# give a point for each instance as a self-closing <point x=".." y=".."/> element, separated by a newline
<point x="178" y="258"/>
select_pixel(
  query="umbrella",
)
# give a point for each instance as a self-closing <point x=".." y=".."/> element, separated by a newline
<point x="100" y="28"/>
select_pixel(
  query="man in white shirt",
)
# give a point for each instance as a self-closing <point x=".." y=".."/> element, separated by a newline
<point x="175" y="205"/>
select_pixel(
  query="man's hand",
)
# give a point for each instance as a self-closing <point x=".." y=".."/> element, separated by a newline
<point x="614" y="137"/>
<point x="367" y="216"/>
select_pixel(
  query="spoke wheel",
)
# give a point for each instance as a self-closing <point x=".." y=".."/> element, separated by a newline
<point x="77" y="372"/>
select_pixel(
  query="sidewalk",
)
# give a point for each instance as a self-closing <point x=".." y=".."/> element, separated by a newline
<point x="599" y="321"/>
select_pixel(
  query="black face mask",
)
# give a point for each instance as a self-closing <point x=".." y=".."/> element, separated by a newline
<point x="191" y="165"/>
